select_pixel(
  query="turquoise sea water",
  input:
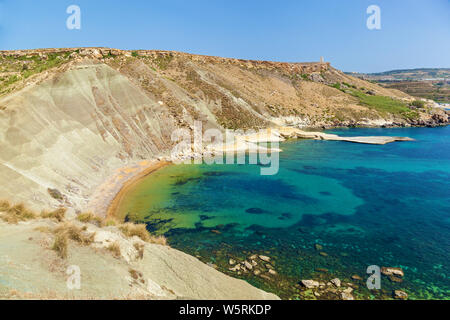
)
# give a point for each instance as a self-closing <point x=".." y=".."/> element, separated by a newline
<point x="365" y="204"/>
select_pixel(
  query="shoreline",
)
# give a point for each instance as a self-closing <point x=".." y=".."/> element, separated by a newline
<point x="115" y="203"/>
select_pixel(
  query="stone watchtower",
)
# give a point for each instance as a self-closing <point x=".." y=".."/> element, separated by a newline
<point x="321" y="60"/>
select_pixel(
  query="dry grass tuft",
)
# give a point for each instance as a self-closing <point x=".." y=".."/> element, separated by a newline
<point x="89" y="217"/>
<point x="158" y="240"/>
<point x="65" y="232"/>
<point x="114" y="248"/>
<point x="57" y="214"/>
<point x="75" y="233"/>
<point x="16" y="213"/>
<point x="110" y="222"/>
<point x="60" y="245"/>
<point x="130" y="229"/>
<point x="4" y="205"/>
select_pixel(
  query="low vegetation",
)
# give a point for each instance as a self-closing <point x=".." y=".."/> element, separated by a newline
<point x="61" y="244"/>
<point x="163" y="61"/>
<point x="89" y="217"/>
<point x="140" y="230"/>
<point x="384" y="105"/>
<point x="21" y="68"/>
<point x="57" y="214"/>
<point x="75" y="233"/>
<point x="418" y="104"/>
<point x="15" y="213"/>
<point x="67" y="231"/>
<point x="114" y="248"/>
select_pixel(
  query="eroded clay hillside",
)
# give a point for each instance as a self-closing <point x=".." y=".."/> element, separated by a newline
<point x="70" y="117"/>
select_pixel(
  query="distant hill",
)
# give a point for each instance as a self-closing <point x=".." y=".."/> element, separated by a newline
<point x="429" y="83"/>
<point x="407" y="74"/>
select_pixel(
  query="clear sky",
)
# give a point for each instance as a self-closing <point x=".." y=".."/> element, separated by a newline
<point x="414" y="33"/>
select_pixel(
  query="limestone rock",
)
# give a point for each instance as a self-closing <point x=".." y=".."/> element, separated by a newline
<point x="310" y="283"/>
<point x="388" y="271"/>
<point x="248" y="265"/>
<point x="347" y="296"/>
<point x="336" y="282"/>
<point x="402" y="295"/>
<point x="356" y="277"/>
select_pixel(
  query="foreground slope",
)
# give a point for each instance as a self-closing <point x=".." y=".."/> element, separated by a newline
<point x="31" y="268"/>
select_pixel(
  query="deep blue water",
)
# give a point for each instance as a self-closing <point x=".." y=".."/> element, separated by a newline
<point x="365" y="204"/>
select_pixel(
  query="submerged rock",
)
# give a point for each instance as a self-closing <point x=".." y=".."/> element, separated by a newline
<point x="318" y="247"/>
<point x="348" y="290"/>
<point x="248" y="265"/>
<point x="310" y="283"/>
<point x="264" y="258"/>
<point x="395" y="279"/>
<point x="347" y="296"/>
<point x="389" y="271"/>
<point x="231" y="261"/>
<point x="402" y="295"/>
<point x="336" y="282"/>
<point x="235" y="268"/>
<point x="356" y="277"/>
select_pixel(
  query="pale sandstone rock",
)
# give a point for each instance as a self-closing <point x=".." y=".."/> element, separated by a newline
<point x="310" y="283"/>
<point x="402" y="295"/>
<point x="388" y="271"/>
<point x="347" y="296"/>
<point x="336" y="282"/>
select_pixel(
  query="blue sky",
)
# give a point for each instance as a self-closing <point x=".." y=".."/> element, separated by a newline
<point x="414" y="33"/>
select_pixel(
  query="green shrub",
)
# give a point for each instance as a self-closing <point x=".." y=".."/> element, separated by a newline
<point x="337" y="85"/>
<point x="418" y="103"/>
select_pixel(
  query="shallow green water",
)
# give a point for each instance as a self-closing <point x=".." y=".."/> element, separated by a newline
<point x="365" y="204"/>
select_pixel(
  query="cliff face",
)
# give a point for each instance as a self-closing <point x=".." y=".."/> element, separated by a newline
<point x="70" y="117"/>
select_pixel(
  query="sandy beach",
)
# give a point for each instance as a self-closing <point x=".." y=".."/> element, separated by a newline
<point x="107" y="198"/>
